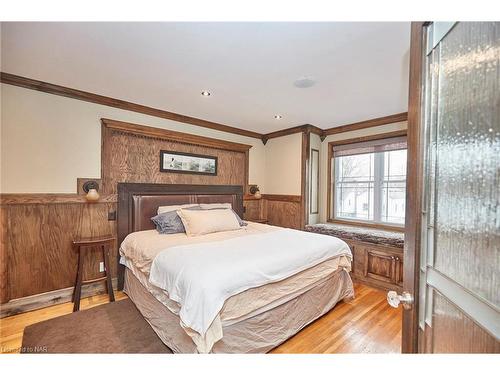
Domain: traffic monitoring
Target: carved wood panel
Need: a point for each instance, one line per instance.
(379, 266)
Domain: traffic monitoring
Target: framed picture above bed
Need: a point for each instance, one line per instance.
(182, 162)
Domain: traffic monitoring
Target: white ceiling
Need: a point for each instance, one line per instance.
(361, 69)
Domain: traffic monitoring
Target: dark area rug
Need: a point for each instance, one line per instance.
(115, 327)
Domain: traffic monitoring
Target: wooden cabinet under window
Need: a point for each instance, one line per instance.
(377, 254)
(377, 265)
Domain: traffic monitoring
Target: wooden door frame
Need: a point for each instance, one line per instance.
(305, 167)
(414, 181)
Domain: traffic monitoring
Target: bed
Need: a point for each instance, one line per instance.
(278, 280)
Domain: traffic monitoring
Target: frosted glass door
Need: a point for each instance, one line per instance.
(460, 266)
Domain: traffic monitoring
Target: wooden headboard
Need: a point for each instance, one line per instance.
(138, 203)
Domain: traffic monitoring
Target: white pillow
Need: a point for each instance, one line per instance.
(163, 209)
(202, 222)
(211, 206)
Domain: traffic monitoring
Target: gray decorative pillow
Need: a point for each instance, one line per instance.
(168, 223)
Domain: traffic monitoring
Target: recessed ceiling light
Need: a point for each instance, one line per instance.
(278, 117)
(304, 82)
(205, 93)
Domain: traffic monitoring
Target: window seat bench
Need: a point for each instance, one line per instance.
(377, 254)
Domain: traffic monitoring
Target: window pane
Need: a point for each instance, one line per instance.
(355, 201)
(355, 168)
(393, 202)
(395, 165)
(394, 187)
(354, 187)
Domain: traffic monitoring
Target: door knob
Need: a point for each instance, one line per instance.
(395, 299)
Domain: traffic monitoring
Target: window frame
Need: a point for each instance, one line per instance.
(331, 198)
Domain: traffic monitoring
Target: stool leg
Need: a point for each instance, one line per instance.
(109, 284)
(78, 286)
(76, 280)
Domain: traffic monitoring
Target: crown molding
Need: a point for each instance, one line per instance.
(306, 128)
(50, 88)
(54, 89)
(323, 133)
(398, 117)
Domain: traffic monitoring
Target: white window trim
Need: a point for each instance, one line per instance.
(377, 192)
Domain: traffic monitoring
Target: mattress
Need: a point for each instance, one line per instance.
(140, 249)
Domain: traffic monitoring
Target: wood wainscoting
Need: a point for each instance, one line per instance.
(284, 210)
(37, 252)
(37, 230)
(280, 210)
(254, 209)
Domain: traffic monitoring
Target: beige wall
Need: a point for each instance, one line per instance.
(283, 165)
(340, 136)
(47, 141)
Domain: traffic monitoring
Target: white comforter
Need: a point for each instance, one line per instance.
(201, 277)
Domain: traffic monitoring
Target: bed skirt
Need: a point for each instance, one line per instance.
(257, 334)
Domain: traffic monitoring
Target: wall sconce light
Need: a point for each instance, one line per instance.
(91, 188)
(254, 190)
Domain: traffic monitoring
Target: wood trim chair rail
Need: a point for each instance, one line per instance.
(52, 198)
(282, 197)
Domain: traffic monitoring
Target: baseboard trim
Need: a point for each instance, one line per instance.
(54, 297)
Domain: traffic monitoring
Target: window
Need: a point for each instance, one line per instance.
(369, 181)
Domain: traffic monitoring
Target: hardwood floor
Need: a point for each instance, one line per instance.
(365, 325)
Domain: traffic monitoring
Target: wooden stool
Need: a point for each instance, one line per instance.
(88, 243)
